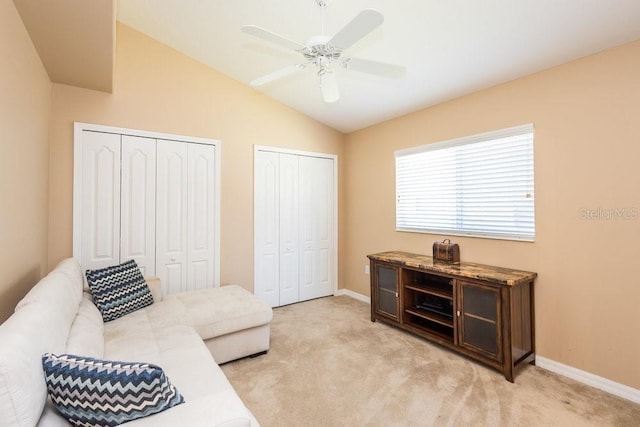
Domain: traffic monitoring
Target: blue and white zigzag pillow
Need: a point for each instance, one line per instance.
(119, 290)
(93, 392)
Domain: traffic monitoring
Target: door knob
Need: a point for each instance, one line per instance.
(173, 259)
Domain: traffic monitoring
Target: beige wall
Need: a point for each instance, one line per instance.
(158, 89)
(25, 101)
(587, 153)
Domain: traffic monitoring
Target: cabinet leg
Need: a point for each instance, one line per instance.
(508, 373)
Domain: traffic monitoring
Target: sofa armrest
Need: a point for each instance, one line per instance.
(155, 287)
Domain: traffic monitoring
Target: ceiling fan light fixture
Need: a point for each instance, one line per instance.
(328, 85)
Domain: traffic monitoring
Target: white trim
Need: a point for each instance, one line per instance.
(143, 133)
(354, 295)
(296, 152)
(590, 379)
(495, 134)
(77, 191)
(79, 127)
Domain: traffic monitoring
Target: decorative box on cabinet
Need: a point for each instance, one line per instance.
(480, 311)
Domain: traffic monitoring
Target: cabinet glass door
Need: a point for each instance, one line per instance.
(387, 301)
(479, 313)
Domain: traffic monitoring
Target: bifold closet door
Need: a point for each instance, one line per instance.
(267, 227)
(185, 216)
(316, 227)
(293, 227)
(138, 202)
(288, 225)
(276, 228)
(200, 216)
(118, 200)
(100, 200)
(154, 200)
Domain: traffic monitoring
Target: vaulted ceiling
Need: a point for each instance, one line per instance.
(449, 48)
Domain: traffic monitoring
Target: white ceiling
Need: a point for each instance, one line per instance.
(450, 48)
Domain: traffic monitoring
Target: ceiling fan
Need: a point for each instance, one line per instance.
(325, 53)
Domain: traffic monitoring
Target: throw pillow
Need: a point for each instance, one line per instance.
(119, 290)
(90, 391)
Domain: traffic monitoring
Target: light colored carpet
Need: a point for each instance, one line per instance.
(329, 365)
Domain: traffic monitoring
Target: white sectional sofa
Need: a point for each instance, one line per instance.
(184, 334)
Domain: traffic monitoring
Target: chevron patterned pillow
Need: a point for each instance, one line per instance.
(119, 290)
(92, 392)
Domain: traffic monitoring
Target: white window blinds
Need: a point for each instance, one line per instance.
(480, 185)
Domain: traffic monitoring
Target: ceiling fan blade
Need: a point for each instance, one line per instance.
(329, 87)
(374, 67)
(365, 22)
(277, 75)
(271, 37)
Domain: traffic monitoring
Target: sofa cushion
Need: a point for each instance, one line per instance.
(213, 312)
(119, 290)
(93, 391)
(185, 359)
(62, 287)
(86, 336)
(177, 348)
(219, 410)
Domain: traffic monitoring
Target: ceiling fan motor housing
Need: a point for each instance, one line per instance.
(318, 52)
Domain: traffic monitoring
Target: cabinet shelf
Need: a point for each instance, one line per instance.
(431, 290)
(428, 328)
(431, 316)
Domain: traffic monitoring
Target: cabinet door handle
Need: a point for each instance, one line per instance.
(397, 295)
(458, 313)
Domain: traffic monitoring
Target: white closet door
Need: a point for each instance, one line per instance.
(316, 227)
(100, 200)
(138, 203)
(200, 216)
(294, 227)
(288, 226)
(266, 227)
(171, 215)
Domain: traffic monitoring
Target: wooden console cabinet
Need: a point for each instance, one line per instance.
(481, 311)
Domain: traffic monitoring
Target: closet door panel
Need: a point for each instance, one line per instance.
(138, 203)
(266, 227)
(294, 227)
(325, 225)
(288, 226)
(200, 223)
(100, 200)
(316, 225)
(171, 215)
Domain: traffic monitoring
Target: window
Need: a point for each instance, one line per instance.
(480, 185)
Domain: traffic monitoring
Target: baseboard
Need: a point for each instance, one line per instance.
(583, 377)
(353, 295)
(590, 379)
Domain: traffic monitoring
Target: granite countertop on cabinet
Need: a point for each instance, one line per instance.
(470, 270)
